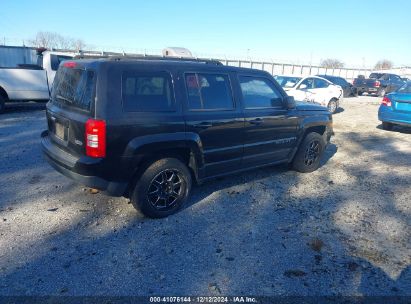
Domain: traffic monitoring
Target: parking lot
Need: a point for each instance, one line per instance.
(342, 230)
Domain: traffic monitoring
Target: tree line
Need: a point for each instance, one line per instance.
(331, 63)
(51, 40)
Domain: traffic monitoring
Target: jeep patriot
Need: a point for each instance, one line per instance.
(147, 128)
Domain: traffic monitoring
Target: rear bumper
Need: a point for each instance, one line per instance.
(76, 168)
(386, 114)
(367, 89)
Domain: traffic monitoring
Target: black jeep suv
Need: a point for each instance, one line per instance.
(144, 128)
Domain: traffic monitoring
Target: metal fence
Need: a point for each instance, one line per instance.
(297, 69)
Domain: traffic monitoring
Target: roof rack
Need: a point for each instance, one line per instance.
(146, 57)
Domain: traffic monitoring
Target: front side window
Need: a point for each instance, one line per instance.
(259, 93)
(208, 92)
(147, 92)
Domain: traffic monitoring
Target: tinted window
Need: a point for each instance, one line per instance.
(259, 93)
(56, 59)
(147, 92)
(375, 75)
(208, 92)
(73, 87)
(320, 83)
(384, 77)
(341, 82)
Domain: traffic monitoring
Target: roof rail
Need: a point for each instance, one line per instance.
(146, 57)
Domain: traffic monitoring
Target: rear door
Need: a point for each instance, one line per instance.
(71, 106)
(212, 112)
(323, 91)
(270, 129)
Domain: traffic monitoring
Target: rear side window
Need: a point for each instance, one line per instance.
(147, 92)
(73, 87)
(259, 93)
(209, 92)
(320, 84)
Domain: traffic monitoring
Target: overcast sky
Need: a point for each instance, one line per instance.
(356, 32)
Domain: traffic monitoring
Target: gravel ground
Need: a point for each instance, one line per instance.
(342, 230)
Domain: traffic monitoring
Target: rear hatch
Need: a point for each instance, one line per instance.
(70, 106)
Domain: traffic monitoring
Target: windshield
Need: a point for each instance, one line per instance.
(406, 88)
(287, 81)
(73, 87)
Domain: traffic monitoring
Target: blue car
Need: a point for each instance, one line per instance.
(395, 108)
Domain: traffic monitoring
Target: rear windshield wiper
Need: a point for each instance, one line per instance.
(63, 98)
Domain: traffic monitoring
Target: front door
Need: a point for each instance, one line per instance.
(212, 113)
(270, 131)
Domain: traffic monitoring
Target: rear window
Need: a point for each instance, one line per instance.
(73, 87)
(56, 59)
(375, 75)
(406, 88)
(147, 92)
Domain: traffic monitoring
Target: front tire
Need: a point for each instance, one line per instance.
(332, 106)
(387, 126)
(309, 153)
(2, 104)
(162, 189)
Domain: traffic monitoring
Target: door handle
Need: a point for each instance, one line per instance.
(257, 121)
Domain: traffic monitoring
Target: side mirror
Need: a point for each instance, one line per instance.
(303, 86)
(290, 102)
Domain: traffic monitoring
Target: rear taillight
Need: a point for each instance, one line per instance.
(386, 101)
(377, 84)
(95, 138)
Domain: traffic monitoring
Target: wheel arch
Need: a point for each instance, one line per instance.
(4, 94)
(186, 147)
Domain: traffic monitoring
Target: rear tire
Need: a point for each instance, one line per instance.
(162, 189)
(2, 104)
(309, 153)
(387, 126)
